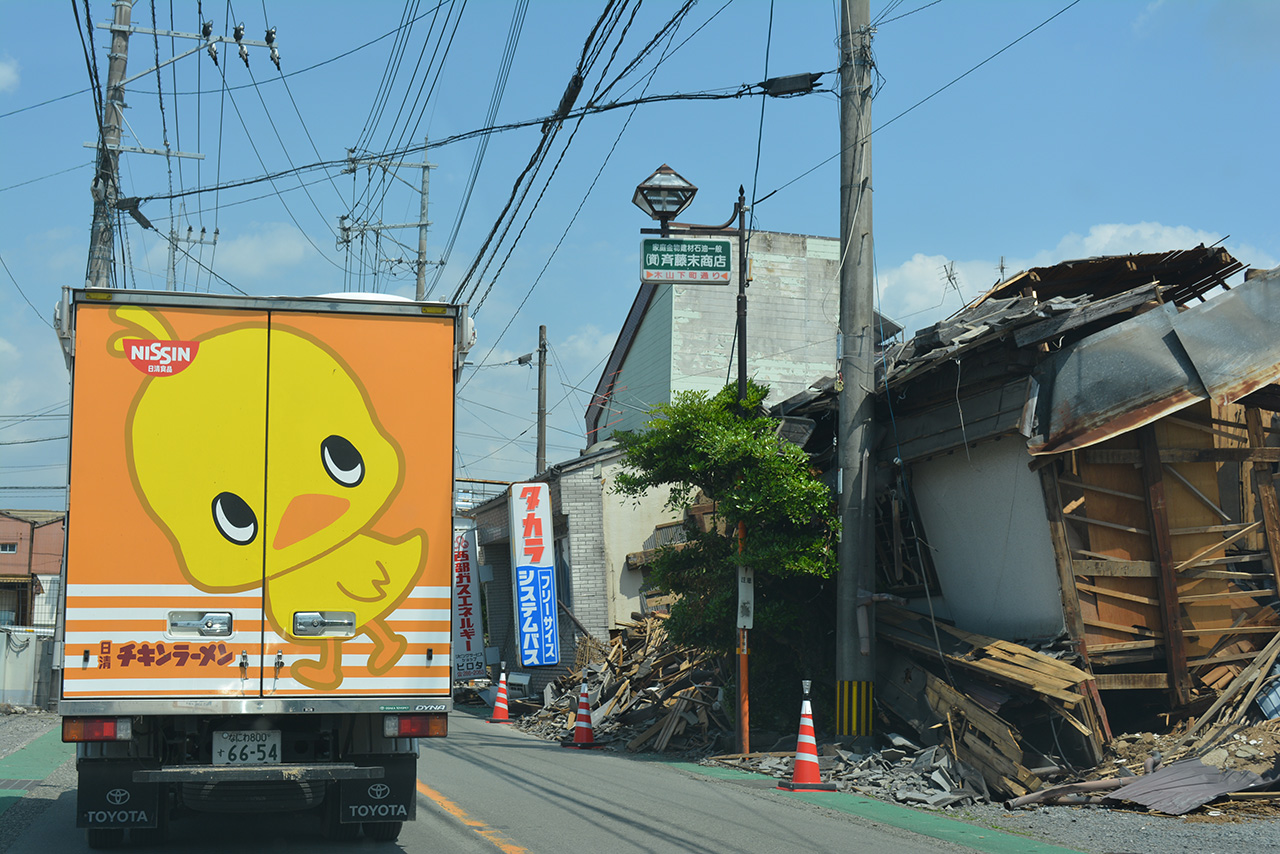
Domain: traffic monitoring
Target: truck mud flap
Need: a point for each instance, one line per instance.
(107, 796)
(392, 798)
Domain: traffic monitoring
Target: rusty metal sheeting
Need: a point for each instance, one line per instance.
(1157, 363)
(1114, 381)
(1232, 338)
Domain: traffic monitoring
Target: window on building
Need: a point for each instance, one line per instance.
(8, 548)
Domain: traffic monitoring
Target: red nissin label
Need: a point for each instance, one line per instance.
(160, 358)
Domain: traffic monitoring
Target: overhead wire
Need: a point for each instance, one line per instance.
(495, 100)
(361, 143)
(389, 71)
(648, 80)
(23, 293)
(520, 189)
(919, 103)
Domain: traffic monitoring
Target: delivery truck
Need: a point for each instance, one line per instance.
(256, 599)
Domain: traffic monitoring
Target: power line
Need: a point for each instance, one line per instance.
(879, 22)
(709, 95)
(23, 293)
(34, 441)
(928, 97)
(43, 177)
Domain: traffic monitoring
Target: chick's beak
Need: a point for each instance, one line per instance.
(305, 515)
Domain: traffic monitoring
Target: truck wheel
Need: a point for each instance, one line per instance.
(383, 831)
(333, 828)
(105, 837)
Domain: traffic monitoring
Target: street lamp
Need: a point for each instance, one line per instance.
(663, 195)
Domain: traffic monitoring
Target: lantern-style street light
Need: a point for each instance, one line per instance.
(663, 195)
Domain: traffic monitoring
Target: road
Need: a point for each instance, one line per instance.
(489, 788)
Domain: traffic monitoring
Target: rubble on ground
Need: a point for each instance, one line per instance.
(646, 694)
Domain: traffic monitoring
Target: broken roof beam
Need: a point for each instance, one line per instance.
(1055, 326)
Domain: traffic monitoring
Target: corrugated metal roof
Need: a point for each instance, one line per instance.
(1157, 363)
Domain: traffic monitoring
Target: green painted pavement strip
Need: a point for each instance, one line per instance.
(924, 823)
(35, 761)
(38, 758)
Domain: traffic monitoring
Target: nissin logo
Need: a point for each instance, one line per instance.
(161, 358)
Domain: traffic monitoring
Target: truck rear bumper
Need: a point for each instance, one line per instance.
(294, 773)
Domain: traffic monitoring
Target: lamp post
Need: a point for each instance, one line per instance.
(663, 196)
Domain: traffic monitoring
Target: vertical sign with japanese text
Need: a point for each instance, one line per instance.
(468, 623)
(533, 568)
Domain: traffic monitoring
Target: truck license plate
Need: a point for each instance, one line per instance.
(246, 747)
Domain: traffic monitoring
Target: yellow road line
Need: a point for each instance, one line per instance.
(490, 835)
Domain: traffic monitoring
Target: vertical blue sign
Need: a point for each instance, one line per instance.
(533, 568)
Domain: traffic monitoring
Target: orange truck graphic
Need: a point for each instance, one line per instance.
(258, 533)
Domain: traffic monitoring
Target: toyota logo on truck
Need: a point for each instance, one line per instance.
(160, 358)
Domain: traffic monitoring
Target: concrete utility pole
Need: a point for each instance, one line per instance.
(106, 183)
(542, 399)
(346, 231)
(855, 623)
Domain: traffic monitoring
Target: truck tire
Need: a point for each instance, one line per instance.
(333, 827)
(383, 831)
(104, 837)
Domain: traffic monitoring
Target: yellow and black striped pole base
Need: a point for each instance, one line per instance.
(853, 708)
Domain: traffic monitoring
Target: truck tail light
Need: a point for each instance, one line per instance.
(97, 729)
(415, 726)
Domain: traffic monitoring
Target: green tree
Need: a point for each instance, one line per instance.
(700, 444)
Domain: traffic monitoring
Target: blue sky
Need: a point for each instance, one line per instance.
(1115, 127)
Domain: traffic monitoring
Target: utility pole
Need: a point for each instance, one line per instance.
(855, 583)
(347, 231)
(106, 183)
(171, 277)
(105, 186)
(542, 399)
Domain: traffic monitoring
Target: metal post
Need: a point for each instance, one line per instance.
(421, 292)
(542, 399)
(742, 299)
(855, 624)
(105, 180)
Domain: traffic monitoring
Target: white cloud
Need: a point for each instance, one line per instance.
(267, 250)
(9, 77)
(1144, 18)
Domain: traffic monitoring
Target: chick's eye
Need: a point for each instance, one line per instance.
(342, 461)
(234, 518)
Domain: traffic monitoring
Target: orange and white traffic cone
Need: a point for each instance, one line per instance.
(805, 776)
(500, 713)
(583, 737)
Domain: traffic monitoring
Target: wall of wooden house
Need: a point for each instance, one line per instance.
(984, 515)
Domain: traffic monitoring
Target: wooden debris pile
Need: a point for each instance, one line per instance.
(997, 706)
(645, 695)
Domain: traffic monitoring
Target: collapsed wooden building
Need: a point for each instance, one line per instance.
(1082, 460)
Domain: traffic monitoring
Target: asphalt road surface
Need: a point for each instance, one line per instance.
(489, 788)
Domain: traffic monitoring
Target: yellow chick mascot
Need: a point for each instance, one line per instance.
(297, 521)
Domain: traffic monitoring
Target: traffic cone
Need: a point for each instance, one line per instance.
(805, 776)
(500, 714)
(583, 738)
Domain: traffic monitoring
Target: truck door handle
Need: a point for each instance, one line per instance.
(244, 665)
(204, 624)
(310, 624)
